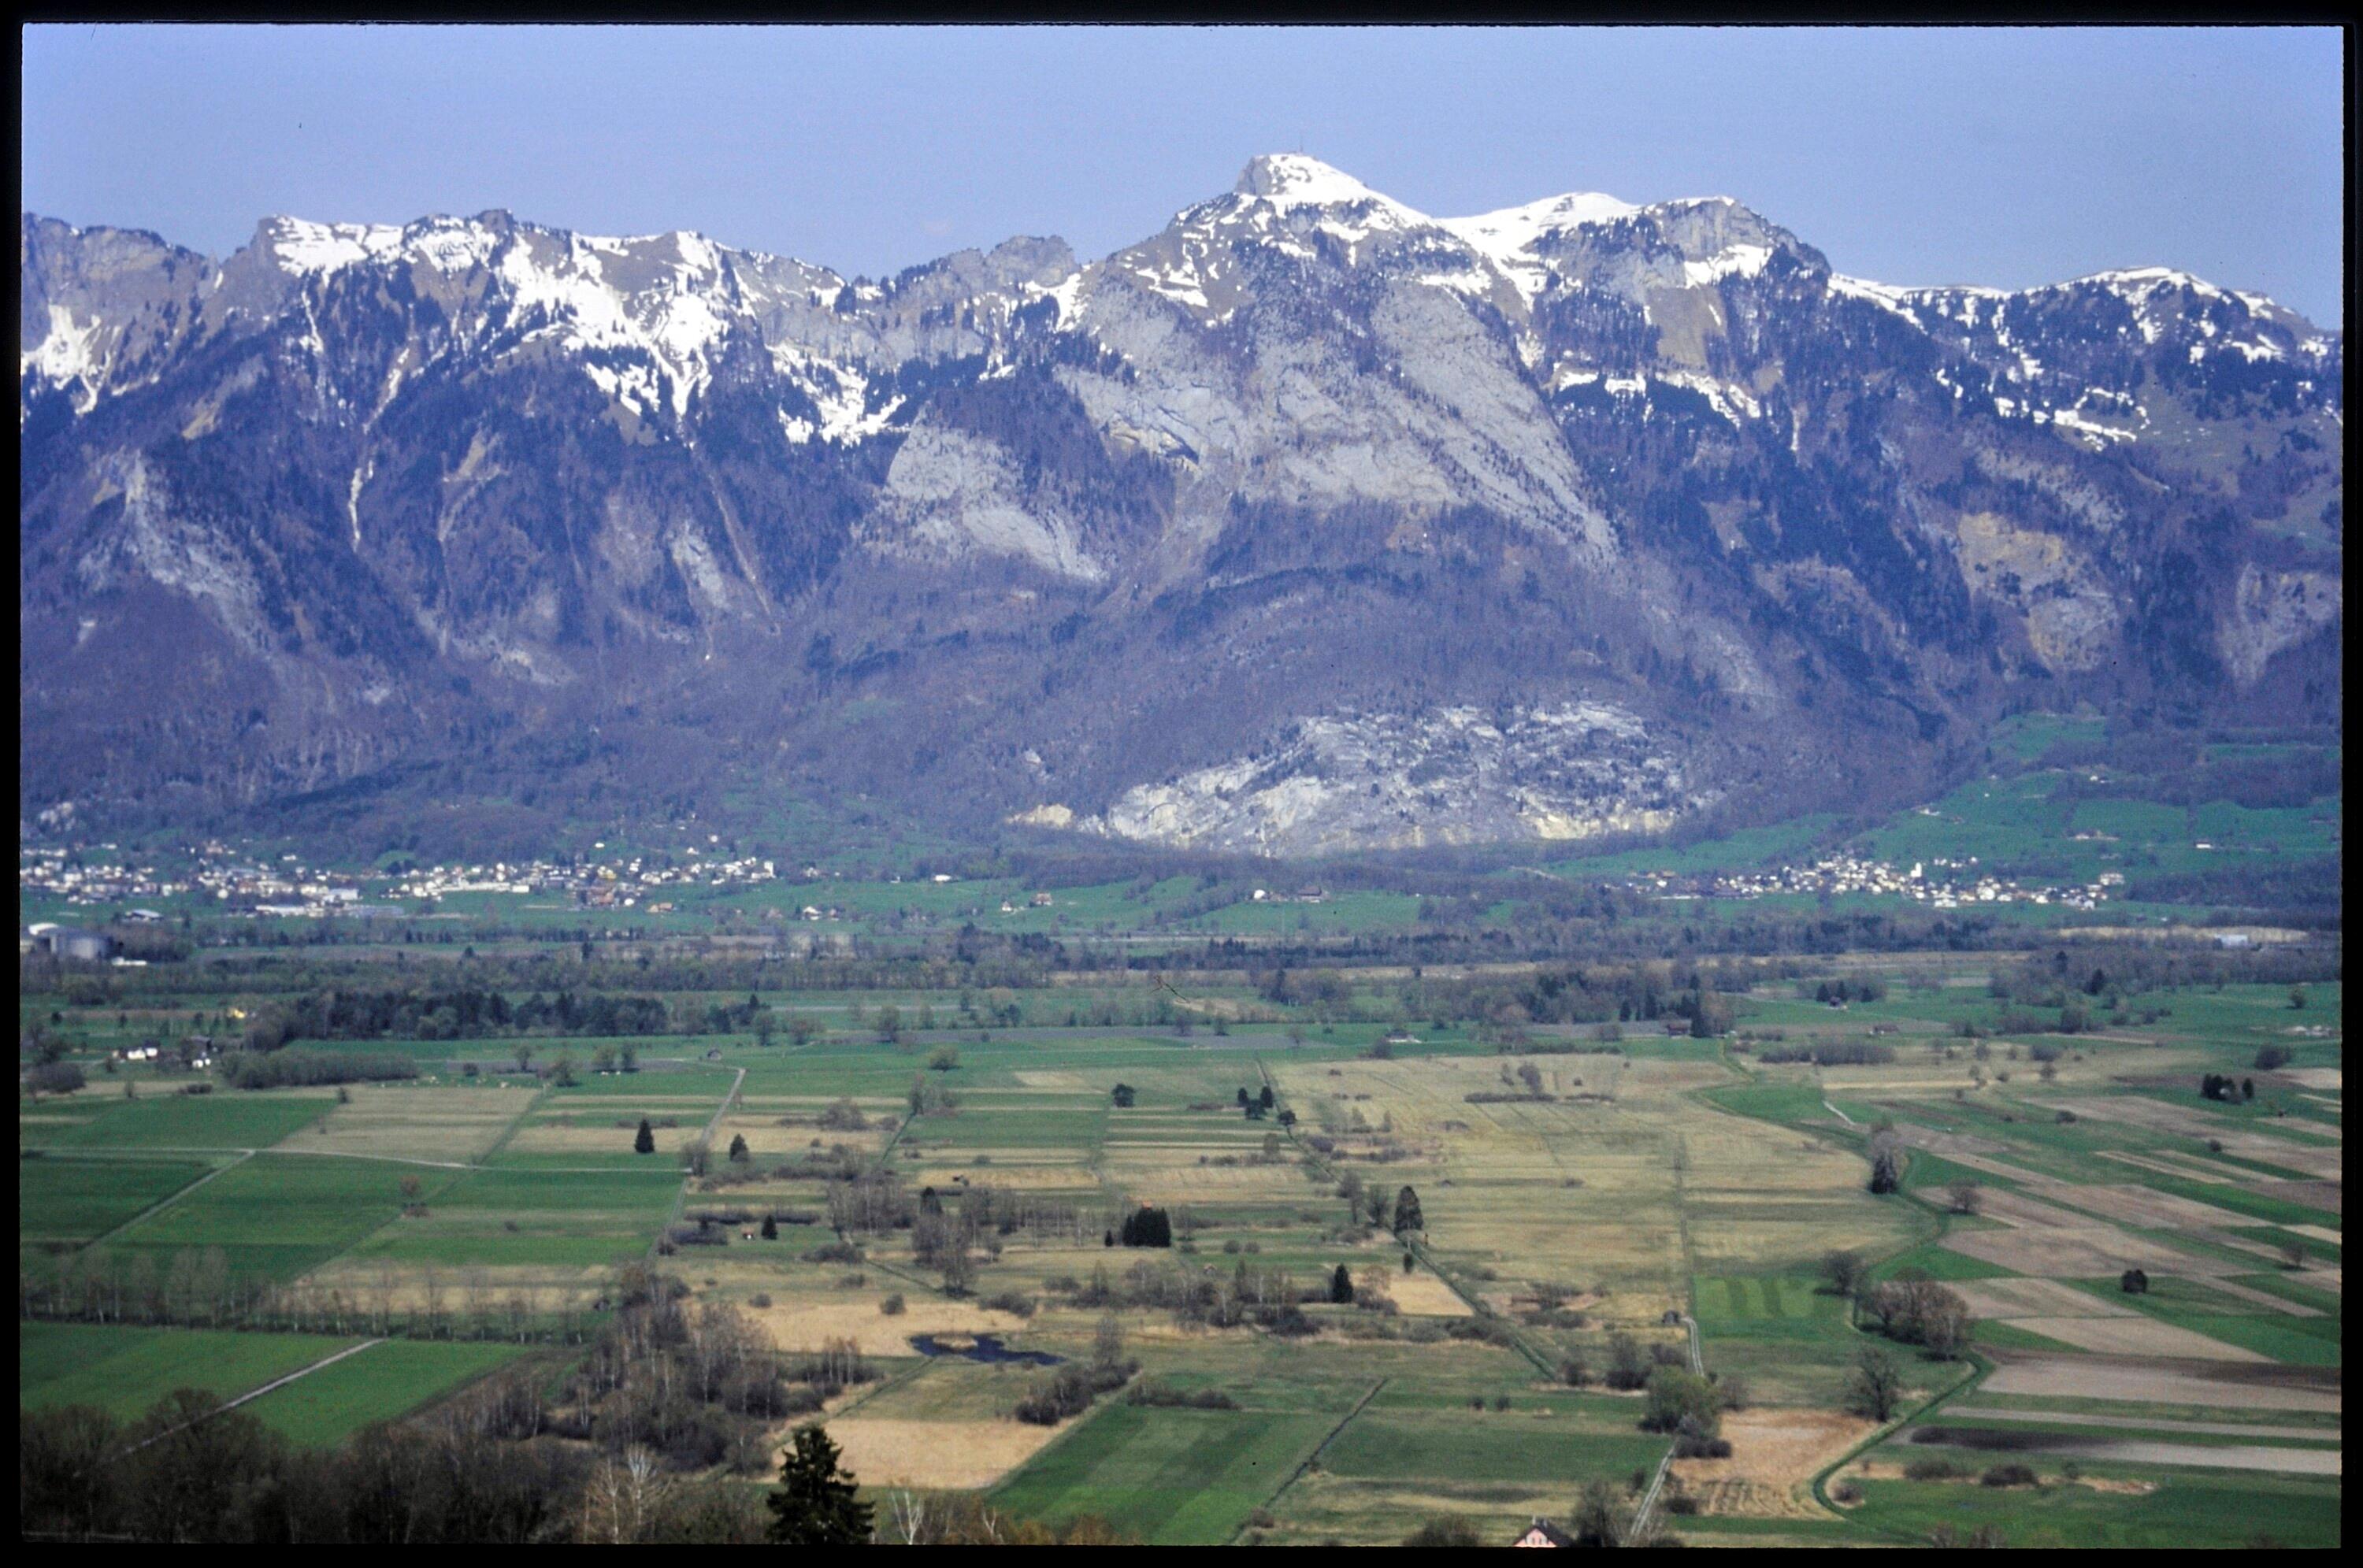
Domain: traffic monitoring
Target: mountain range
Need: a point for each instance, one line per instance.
(1310, 523)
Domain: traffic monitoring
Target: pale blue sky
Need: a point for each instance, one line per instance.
(2007, 156)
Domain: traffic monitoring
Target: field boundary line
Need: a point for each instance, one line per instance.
(887, 1148)
(1059, 1437)
(730, 1098)
(303, 1371)
(1318, 1450)
(680, 1198)
(917, 1282)
(516, 1123)
(1665, 1466)
(167, 1201)
(1977, 1368)
(257, 1393)
(909, 1374)
(1650, 1498)
(1688, 1312)
(314, 1153)
(382, 1159)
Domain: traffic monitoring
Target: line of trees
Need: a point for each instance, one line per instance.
(470, 1012)
(197, 1287)
(295, 1069)
(1829, 1053)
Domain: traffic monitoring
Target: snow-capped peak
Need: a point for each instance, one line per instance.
(1292, 179)
(1507, 237)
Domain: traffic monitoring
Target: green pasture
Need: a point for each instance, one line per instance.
(1172, 1477)
(75, 1200)
(388, 1380)
(123, 1371)
(278, 1215)
(2184, 1509)
(162, 1119)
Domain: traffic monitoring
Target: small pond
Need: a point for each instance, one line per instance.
(986, 1348)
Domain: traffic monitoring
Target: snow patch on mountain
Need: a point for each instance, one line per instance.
(1510, 237)
(301, 246)
(1735, 260)
(68, 355)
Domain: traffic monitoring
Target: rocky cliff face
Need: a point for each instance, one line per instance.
(1311, 523)
(1400, 781)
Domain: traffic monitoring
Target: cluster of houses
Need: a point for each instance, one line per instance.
(1943, 884)
(240, 882)
(626, 883)
(194, 1052)
(69, 876)
(286, 886)
(99, 875)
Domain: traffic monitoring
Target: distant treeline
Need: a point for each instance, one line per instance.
(299, 1069)
(2295, 892)
(1645, 991)
(1560, 921)
(476, 1013)
(2069, 974)
(2168, 767)
(1586, 972)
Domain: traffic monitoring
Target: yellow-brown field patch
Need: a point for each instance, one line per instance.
(935, 1455)
(582, 1134)
(410, 1287)
(1423, 1295)
(808, 1323)
(405, 1122)
(1590, 1191)
(1033, 1176)
(1775, 1454)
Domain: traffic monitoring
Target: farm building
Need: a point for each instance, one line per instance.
(1542, 1532)
(73, 942)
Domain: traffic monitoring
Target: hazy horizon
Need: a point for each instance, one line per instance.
(2006, 157)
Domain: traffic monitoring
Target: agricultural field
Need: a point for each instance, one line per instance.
(2127, 1399)
(386, 1380)
(1405, 1258)
(126, 1370)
